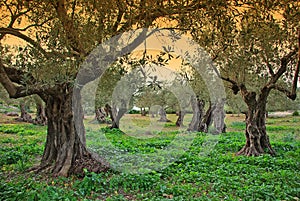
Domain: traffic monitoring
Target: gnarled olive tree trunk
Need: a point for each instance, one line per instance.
(163, 115)
(214, 114)
(219, 116)
(116, 113)
(179, 121)
(198, 107)
(207, 119)
(101, 115)
(25, 116)
(65, 149)
(40, 118)
(257, 140)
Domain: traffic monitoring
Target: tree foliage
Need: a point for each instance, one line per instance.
(247, 39)
(255, 45)
(58, 36)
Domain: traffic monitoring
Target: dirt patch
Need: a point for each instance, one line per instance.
(4, 119)
(280, 114)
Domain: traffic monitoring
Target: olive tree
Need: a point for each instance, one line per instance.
(58, 36)
(255, 45)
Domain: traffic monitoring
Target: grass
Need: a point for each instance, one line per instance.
(201, 167)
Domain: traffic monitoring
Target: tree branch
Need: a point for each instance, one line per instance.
(20, 35)
(153, 13)
(288, 93)
(73, 9)
(293, 93)
(234, 85)
(47, 54)
(15, 17)
(97, 69)
(283, 66)
(119, 17)
(6, 82)
(10, 83)
(9, 9)
(33, 25)
(68, 25)
(217, 54)
(269, 66)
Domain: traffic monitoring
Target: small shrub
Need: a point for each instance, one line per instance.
(134, 111)
(295, 113)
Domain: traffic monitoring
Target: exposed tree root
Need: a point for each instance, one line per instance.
(92, 163)
(41, 168)
(248, 151)
(268, 146)
(252, 151)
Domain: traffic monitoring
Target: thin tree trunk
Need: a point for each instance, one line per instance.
(65, 149)
(180, 118)
(117, 114)
(152, 113)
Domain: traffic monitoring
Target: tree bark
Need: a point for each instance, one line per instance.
(152, 113)
(219, 116)
(110, 112)
(198, 107)
(25, 116)
(40, 118)
(101, 115)
(143, 112)
(65, 150)
(257, 140)
(163, 115)
(180, 118)
(116, 113)
(207, 119)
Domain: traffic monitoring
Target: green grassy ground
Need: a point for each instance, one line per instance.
(206, 169)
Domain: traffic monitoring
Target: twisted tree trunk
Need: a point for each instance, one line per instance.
(208, 118)
(257, 140)
(117, 117)
(65, 149)
(180, 118)
(163, 115)
(198, 107)
(100, 115)
(40, 118)
(25, 116)
(116, 114)
(219, 116)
